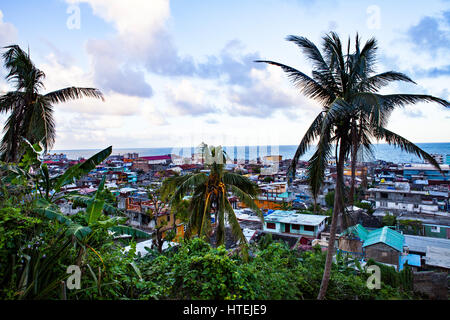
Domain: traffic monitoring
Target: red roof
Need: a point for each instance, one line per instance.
(188, 166)
(153, 158)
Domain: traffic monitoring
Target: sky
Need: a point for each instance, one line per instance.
(176, 73)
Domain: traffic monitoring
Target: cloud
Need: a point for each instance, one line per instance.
(269, 92)
(109, 74)
(59, 76)
(430, 34)
(211, 121)
(186, 98)
(62, 57)
(118, 62)
(8, 32)
(232, 63)
(414, 113)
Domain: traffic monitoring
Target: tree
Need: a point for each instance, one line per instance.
(159, 207)
(210, 196)
(31, 113)
(346, 87)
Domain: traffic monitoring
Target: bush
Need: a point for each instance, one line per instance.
(389, 220)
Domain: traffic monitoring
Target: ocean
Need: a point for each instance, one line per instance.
(381, 152)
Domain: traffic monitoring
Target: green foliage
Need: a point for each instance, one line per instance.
(364, 205)
(414, 227)
(329, 199)
(402, 280)
(389, 220)
(195, 271)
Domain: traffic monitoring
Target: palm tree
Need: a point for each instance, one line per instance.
(210, 195)
(346, 86)
(31, 113)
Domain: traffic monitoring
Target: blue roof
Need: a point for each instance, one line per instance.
(411, 259)
(387, 236)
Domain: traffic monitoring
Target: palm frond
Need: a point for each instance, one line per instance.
(309, 87)
(73, 93)
(78, 170)
(374, 83)
(243, 183)
(248, 200)
(311, 134)
(405, 145)
(317, 164)
(322, 71)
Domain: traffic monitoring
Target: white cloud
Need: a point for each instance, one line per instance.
(269, 92)
(8, 32)
(189, 98)
(137, 22)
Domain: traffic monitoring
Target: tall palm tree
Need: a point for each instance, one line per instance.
(209, 193)
(31, 113)
(346, 86)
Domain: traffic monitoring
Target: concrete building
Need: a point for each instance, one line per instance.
(289, 222)
(396, 198)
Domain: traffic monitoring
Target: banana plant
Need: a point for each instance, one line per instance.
(94, 217)
(34, 174)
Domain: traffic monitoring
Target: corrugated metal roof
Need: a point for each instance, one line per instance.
(420, 244)
(387, 236)
(357, 230)
(438, 257)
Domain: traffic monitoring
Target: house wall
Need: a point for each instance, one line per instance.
(350, 245)
(441, 232)
(281, 228)
(389, 204)
(382, 253)
(277, 227)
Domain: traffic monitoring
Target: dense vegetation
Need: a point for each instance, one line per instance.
(193, 270)
(38, 243)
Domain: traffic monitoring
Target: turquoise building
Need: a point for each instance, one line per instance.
(290, 222)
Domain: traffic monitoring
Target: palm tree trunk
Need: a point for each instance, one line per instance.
(353, 163)
(334, 221)
(352, 186)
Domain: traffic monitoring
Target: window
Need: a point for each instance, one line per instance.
(168, 218)
(270, 225)
(295, 227)
(308, 228)
(435, 229)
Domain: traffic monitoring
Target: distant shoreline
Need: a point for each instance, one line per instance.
(381, 151)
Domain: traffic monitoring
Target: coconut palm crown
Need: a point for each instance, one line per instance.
(209, 193)
(31, 112)
(353, 113)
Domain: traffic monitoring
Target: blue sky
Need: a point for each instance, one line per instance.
(175, 73)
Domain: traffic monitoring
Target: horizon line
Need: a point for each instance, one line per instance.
(183, 147)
